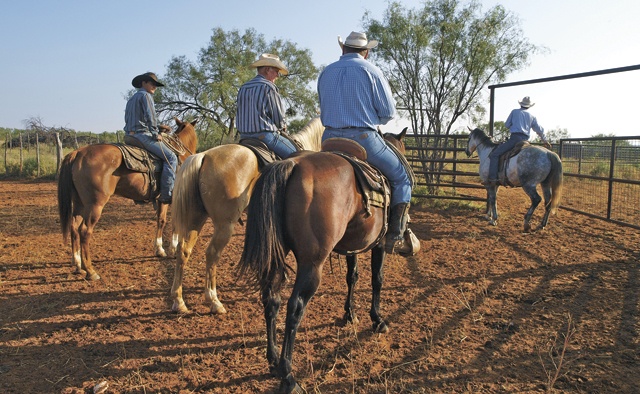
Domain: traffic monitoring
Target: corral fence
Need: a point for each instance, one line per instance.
(601, 175)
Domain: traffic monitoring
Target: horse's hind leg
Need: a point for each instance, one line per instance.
(76, 251)
(535, 201)
(271, 301)
(377, 276)
(352, 280)
(221, 236)
(183, 252)
(86, 231)
(492, 206)
(546, 191)
(161, 221)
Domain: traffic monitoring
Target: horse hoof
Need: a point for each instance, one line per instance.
(92, 277)
(179, 307)
(218, 309)
(289, 385)
(350, 318)
(161, 253)
(381, 328)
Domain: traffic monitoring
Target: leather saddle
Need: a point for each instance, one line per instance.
(373, 186)
(504, 162)
(261, 150)
(137, 159)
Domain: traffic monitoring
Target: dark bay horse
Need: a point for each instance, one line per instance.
(531, 167)
(89, 176)
(217, 184)
(309, 204)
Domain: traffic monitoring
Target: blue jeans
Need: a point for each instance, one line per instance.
(494, 156)
(169, 162)
(381, 157)
(277, 143)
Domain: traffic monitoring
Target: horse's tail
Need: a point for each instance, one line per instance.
(555, 180)
(186, 194)
(66, 189)
(264, 250)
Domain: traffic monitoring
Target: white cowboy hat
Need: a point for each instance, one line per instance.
(357, 40)
(269, 60)
(526, 102)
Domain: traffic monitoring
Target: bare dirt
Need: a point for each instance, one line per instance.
(479, 309)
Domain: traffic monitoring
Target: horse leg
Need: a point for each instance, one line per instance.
(307, 281)
(352, 280)
(219, 240)
(535, 200)
(546, 191)
(76, 255)
(377, 276)
(161, 221)
(492, 210)
(271, 302)
(86, 231)
(183, 252)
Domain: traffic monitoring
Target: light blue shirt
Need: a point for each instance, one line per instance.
(259, 107)
(354, 93)
(522, 121)
(140, 114)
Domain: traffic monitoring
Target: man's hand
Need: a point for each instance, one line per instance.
(164, 128)
(547, 145)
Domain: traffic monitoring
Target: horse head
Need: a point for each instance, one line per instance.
(397, 139)
(476, 137)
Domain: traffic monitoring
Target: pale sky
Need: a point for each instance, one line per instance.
(70, 62)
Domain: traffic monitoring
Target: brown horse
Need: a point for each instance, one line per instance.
(311, 205)
(88, 177)
(217, 184)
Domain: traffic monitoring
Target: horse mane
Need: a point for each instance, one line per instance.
(482, 137)
(310, 137)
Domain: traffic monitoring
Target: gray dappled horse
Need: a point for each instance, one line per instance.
(532, 166)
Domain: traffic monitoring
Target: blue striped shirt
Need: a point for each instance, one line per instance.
(140, 113)
(354, 93)
(259, 107)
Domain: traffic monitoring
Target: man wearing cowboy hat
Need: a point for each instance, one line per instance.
(520, 122)
(141, 122)
(260, 112)
(355, 98)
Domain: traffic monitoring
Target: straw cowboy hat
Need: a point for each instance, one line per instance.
(526, 102)
(357, 40)
(149, 76)
(269, 60)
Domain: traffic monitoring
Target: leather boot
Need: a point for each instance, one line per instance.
(399, 238)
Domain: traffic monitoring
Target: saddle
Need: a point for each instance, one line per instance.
(503, 162)
(374, 187)
(261, 150)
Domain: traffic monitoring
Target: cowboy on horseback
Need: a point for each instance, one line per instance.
(260, 112)
(355, 98)
(520, 122)
(141, 122)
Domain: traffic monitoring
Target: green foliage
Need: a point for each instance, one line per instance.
(553, 136)
(439, 58)
(600, 169)
(207, 87)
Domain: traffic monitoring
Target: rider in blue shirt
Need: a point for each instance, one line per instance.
(520, 122)
(355, 98)
(141, 122)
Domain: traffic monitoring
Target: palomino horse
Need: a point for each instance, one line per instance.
(89, 176)
(532, 166)
(217, 184)
(309, 204)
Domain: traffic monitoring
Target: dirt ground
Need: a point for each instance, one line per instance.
(480, 309)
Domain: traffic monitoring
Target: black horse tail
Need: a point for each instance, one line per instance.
(264, 253)
(555, 180)
(65, 193)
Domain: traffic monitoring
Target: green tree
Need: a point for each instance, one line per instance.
(440, 57)
(207, 88)
(553, 136)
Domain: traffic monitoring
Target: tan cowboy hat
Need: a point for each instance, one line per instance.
(357, 40)
(269, 60)
(526, 102)
(149, 76)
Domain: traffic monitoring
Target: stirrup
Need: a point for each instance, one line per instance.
(409, 245)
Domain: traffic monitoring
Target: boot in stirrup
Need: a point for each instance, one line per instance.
(400, 239)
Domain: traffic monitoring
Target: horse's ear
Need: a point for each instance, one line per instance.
(470, 129)
(178, 122)
(403, 134)
(193, 123)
